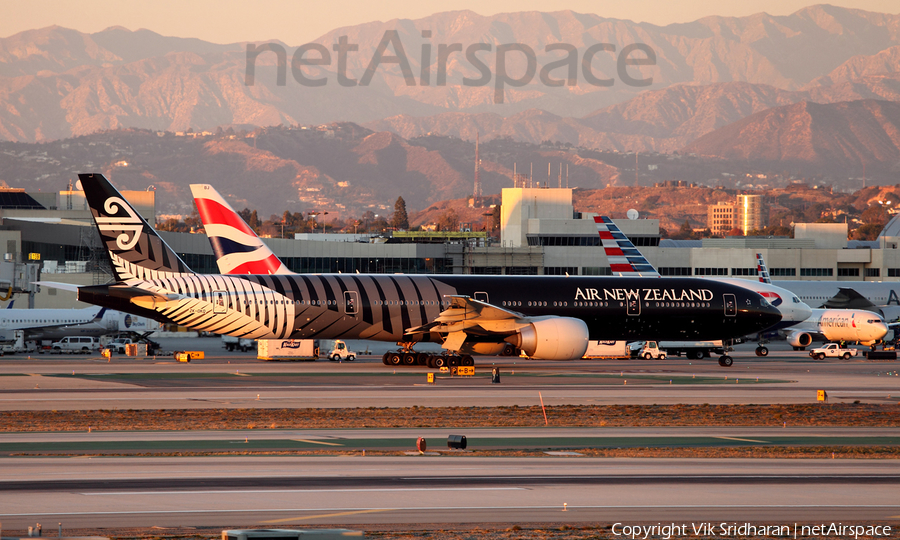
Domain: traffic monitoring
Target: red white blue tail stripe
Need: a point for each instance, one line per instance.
(237, 248)
(762, 270)
(624, 258)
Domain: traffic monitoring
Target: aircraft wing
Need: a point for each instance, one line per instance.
(848, 298)
(469, 317)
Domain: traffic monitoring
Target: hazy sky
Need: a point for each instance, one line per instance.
(299, 21)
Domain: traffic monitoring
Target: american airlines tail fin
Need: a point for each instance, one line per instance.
(238, 249)
(762, 270)
(134, 248)
(624, 258)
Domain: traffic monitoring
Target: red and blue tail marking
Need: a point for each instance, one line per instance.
(237, 248)
(761, 269)
(624, 258)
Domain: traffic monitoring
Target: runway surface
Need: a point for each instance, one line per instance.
(544, 438)
(234, 380)
(116, 492)
(353, 490)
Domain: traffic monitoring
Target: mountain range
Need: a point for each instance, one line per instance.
(56, 82)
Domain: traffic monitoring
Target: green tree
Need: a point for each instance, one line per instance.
(400, 219)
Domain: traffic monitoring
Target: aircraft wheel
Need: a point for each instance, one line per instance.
(726, 361)
(422, 359)
(409, 359)
(384, 358)
(440, 361)
(508, 350)
(430, 361)
(467, 361)
(453, 361)
(394, 359)
(764, 351)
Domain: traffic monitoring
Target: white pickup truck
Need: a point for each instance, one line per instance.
(833, 350)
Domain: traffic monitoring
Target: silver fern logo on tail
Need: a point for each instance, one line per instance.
(133, 247)
(131, 224)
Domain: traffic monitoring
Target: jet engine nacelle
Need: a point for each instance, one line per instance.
(554, 338)
(799, 339)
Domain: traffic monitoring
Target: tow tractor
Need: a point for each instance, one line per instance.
(340, 352)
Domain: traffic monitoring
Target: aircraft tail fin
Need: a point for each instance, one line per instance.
(99, 316)
(238, 249)
(134, 249)
(624, 258)
(762, 270)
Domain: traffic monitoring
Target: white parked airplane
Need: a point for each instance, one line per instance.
(862, 325)
(879, 296)
(54, 324)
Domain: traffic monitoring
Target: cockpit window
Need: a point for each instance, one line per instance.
(795, 300)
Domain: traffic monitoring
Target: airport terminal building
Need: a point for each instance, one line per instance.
(541, 234)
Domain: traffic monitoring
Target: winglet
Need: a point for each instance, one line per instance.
(624, 258)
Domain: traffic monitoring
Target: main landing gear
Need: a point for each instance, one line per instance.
(406, 356)
(762, 350)
(396, 358)
(726, 361)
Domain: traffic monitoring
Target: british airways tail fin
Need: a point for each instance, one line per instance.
(238, 249)
(624, 258)
(134, 248)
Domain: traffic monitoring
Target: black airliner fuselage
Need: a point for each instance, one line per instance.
(384, 307)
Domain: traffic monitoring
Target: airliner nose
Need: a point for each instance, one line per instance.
(802, 312)
(760, 313)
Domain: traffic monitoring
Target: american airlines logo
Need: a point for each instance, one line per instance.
(130, 224)
(673, 295)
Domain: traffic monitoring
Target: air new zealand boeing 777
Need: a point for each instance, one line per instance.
(548, 317)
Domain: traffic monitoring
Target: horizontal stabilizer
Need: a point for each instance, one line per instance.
(56, 285)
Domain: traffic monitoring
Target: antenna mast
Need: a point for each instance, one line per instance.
(476, 199)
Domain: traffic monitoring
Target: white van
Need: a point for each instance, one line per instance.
(81, 344)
